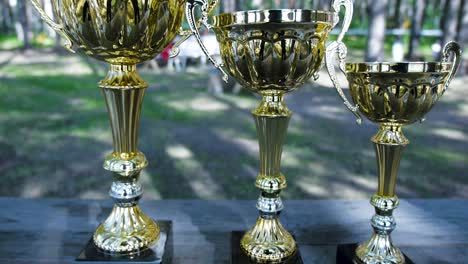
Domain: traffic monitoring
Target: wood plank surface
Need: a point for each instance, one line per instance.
(55, 230)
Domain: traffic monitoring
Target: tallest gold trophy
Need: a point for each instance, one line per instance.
(271, 52)
(121, 33)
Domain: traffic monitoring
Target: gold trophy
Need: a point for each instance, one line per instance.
(121, 33)
(393, 95)
(271, 52)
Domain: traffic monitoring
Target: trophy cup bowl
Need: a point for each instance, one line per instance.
(122, 33)
(118, 32)
(271, 53)
(392, 95)
(397, 93)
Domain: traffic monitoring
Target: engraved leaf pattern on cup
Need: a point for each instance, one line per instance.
(396, 98)
(265, 60)
(121, 31)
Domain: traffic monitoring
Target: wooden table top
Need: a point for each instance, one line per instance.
(55, 230)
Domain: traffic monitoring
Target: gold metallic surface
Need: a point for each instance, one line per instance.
(392, 95)
(379, 250)
(396, 93)
(126, 230)
(273, 57)
(389, 144)
(268, 242)
(270, 52)
(121, 33)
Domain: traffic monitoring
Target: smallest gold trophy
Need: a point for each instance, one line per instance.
(392, 95)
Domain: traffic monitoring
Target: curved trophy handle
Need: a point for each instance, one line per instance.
(186, 34)
(190, 15)
(452, 48)
(58, 28)
(333, 49)
(348, 5)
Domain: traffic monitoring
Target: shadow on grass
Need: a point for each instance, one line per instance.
(54, 134)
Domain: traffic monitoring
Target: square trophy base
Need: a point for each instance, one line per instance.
(345, 255)
(238, 257)
(160, 253)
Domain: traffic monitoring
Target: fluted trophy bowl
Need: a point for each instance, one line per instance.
(392, 95)
(122, 33)
(273, 51)
(397, 93)
(119, 32)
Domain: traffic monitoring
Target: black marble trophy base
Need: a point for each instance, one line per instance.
(160, 253)
(238, 257)
(345, 255)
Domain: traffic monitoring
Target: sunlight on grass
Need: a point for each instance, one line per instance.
(179, 152)
(203, 184)
(201, 104)
(450, 134)
(56, 69)
(9, 42)
(55, 124)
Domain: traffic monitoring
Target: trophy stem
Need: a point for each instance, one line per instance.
(268, 241)
(389, 144)
(127, 230)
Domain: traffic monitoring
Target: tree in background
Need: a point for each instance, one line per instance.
(463, 33)
(377, 10)
(450, 20)
(7, 20)
(23, 29)
(417, 22)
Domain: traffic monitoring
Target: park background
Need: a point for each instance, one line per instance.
(198, 135)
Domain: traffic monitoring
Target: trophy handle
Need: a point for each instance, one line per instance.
(333, 49)
(348, 5)
(190, 15)
(186, 34)
(452, 48)
(58, 28)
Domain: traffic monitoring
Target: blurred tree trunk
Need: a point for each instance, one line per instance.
(397, 11)
(417, 22)
(23, 26)
(463, 34)
(361, 11)
(461, 16)
(377, 10)
(228, 6)
(7, 16)
(281, 3)
(450, 20)
(322, 5)
(301, 4)
(240, 5)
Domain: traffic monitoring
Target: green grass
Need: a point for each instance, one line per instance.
(11, 42)
(54, 133)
